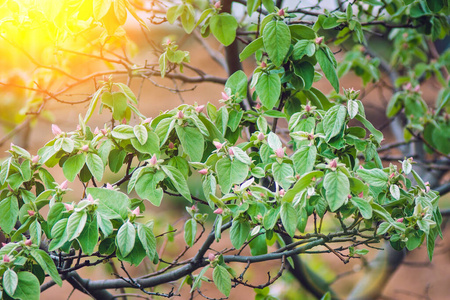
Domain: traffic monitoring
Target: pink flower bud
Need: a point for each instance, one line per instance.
(6, 258)
(333, 164)
(392, 175)
(90, 198)
(203, 171)
(194, 208)
(282, 192)
(136, 211)
(147, 121)
(279, 152)
(262, 195)
(199, 108)
(225, 96)
(217, 5)
(263, 64)
(168, 41)
(171, 145)
(35, 159)
(11, 146)
(68, 206)
(211, 256)
(218, 211)
(64, 185)
(307, 108)
(361, 195)
(96, 131)
(281, 13)
(259, 217)
(28, 242)
(297, 176)
(258, 106)
(153, 161)
(85, 148)
(261, 136)
(78, 127)
(400, 220)
(109, 186)
(417, 88)
(349, 196)
(56, 130)
(319, 40)
(180, 115)
(124, 121)
(427, 184)
(360, 167)
(3, 244)
(31, 212)
(249, 193)
(218, 145)
(408, 86)
(230, 151)
(104, 131)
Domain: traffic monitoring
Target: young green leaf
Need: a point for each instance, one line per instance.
(268, 89)
(337, 188)
(328, 68)
(251, 48)
(277, 39)
(125, 238)
(10, 281)
(289, 218)
(27, 287)
(190, 232)
(223, 27)
(222, 280)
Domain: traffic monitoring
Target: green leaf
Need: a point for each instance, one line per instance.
(141, 134)
(148, 240)
(230, 172)
(47, 264)
(289, 218)
(9, 211)
(192, 141)
(146, 187)
(198, 278)
(352, 108)
(239, 232)
(27, 287)
(268, 89)
(125, 238)
(73, 165)
(327, 67)
(334, 120)
(376, 133)
(251, 48)
(282, 174)
(92, 105)
(127, 92)
(95, 165)
(363, 206)
(223, 27)
(151, 145)
(374, 177)
(237, 83)
(123, 132)
(67, 145)
(301, 184)
(277, 39)
(302, 32)
(188, 18)
(89, 236)
(337, 188)
(305, 70)
(395, 191)
(10, 281)
(222, 280)
(241, 155)
(112, 204)
(119, 105)
(75, 224)
(164, 128)
(178, 181)
(304, 159)
(435, 5)
(190, 232)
